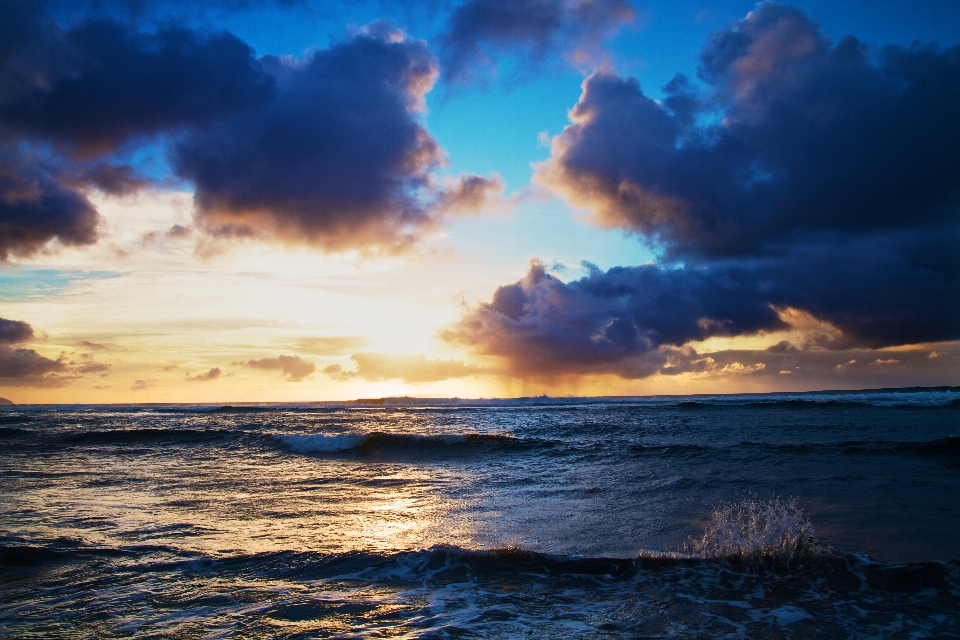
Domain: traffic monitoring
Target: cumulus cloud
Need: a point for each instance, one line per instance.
(14, 331)
(23, 367)
(631, 321)
(801, 182)
(26, 368)
(478, 31)
(40, 201)
(337, 159)
(326, 150)
(93, 87)
(212, 374)
(473, 194)
(614, 321)
(409, 368)
(293, 367)
(72, 96)
(793, 138)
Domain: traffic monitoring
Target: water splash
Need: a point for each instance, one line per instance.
(757, 529)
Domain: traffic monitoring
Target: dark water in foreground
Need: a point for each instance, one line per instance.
(512, 519)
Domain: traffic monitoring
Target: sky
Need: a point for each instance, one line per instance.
(294, 200)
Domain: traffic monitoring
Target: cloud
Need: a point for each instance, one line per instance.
(212, 374)
(95, 86)
(331, 345)
(179, 232)
(409, 368)
(631, 320)
(783, 346)
(794, 139)
(803, 183)
(87, 365)
(612, 321)
(140, 385)
(479, 31)
(737, 368)
(93, 346)
(473, 194)
(14, 331)
(337, 159)
(27, 368)
(72, 97)
(293, 367)
(21, 367)
(40, 201)
(326, 150)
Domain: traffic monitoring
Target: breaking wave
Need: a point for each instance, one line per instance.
(448, 591)
(377, 442)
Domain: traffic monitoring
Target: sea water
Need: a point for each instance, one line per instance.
(778, 515)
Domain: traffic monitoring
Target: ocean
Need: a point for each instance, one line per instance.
(814, 515)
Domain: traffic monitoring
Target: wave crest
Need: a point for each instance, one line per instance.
(378, 441)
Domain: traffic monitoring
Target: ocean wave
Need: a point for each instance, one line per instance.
(376, 442)
(12, 432)
(448, 590)
(881, 401)
(240, 408)
(948, 446)
(150, 435)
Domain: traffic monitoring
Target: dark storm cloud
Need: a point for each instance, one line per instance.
(634, 321)
(94, 87)
(793, 138)
(326, 150)
(479, 30)
(293, 367)
(40, 201)
(88, 90)
(337, 159)
(610, 321)
(809, 178)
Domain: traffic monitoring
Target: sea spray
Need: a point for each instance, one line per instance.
(755, 529)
